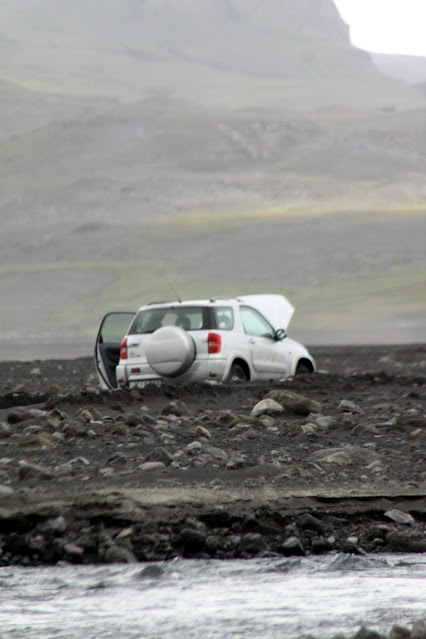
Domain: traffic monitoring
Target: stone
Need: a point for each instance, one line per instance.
(418, 630)
(22, 414)
(54, 417)
(216, 453)
(176, 407)
(294, 402)
(5, 430)
(324, 422)
(118, 458)
(119, 555)
(73, 551)
(321, 545)
(151, 466)
(190, 541)
(79, 461)
(63, 470)
(6, 491)
(406, 541)
(194, 448)
(236, 462)
(56, 525)
(366, 633)
(267, 406)
(204, 432)
(346, 406)
(45, 441)
(339, 457)
(33, 471)
(252, 544)
(160, 454)
(346, 454)
(399, 632)
(309, 522)
(126, 532)
(88, 414)
(399, 517)
(55, 389)
(91, 390)
(292, 547)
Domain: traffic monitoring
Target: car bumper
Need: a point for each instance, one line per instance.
(200, 371)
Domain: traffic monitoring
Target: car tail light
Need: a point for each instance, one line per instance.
(214, 342)
(123, 349)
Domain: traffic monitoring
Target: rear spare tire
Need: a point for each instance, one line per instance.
(170, 351)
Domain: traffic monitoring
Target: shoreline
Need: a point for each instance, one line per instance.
(211, 521)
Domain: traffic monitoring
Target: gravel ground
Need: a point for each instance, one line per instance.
(325, 444)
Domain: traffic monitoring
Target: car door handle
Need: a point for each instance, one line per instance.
(252, 341)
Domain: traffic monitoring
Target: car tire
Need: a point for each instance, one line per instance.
(236, 374)
(170, 351)
(303, 369)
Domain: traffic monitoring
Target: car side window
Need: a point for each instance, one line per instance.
(255, 324)
(224, 318)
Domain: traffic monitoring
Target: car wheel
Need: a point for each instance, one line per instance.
(170, 351)
(303, 369)
(236, 374)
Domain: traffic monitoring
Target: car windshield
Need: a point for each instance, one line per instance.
(190, 318)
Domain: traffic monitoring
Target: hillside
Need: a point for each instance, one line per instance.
(208, 52)
(222, 148)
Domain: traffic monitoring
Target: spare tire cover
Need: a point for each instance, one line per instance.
(170, 351)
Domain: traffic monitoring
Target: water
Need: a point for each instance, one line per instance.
(193, 599)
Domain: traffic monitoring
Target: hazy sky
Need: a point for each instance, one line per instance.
(386, 26)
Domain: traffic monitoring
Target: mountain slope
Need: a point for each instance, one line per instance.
(209, 51)
(225, 146)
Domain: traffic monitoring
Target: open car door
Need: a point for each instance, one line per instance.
(113, 328)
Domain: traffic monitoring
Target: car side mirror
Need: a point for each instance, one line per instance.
(280, 334)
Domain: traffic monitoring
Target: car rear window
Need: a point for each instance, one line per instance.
(190, 318)
(224, 317)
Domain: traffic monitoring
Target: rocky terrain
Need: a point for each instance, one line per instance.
(317, 463)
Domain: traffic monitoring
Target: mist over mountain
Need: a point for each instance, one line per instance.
(410, 68)
(141, 140)
(204, 51)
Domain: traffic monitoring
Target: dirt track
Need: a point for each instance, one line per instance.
(156, 459)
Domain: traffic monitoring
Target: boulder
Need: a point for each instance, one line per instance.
(252, 544)
(119, 555)
(399, 517)
(418, 630)
(292, 547)
(406, 541)
(267, 406)
(190, 541)
(294, 402)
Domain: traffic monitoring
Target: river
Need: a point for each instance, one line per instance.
(193, 599)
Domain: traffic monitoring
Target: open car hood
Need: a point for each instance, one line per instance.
(276, 308)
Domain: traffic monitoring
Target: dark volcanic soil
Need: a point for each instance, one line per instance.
(354, 446)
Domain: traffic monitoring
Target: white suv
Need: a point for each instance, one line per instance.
(219, 340)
